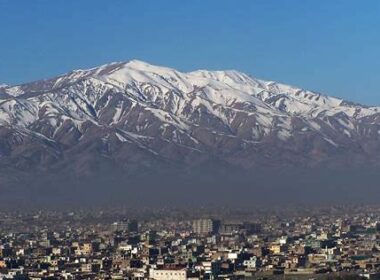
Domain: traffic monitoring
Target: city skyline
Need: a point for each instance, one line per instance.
(331, 242)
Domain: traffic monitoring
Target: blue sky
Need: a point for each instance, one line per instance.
(330, 46)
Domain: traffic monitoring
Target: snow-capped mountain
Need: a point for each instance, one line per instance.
(133, 116)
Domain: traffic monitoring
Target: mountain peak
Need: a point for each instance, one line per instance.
(147, 67)
(136, 63)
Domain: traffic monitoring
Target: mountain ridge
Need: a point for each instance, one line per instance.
(139, 116)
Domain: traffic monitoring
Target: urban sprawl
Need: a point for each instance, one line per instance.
(338, 242)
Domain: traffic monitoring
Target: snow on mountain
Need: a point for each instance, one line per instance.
(137, 114)
(287, 98)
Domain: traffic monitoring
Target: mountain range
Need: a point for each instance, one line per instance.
(136, 117)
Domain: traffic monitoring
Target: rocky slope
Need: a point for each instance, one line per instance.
(136, 117)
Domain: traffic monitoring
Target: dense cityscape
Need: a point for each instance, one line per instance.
(285, 243)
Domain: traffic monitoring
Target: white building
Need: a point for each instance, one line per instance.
(203, 226)
(251, 263)
(168, 274)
